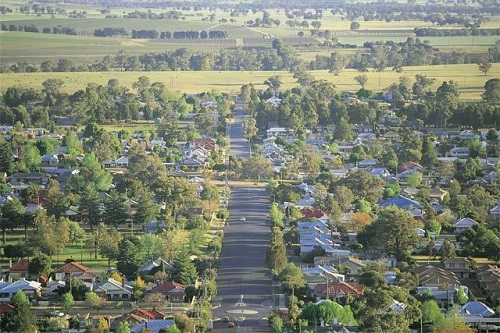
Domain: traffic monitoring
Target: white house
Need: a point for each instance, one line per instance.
(276, 131)
(113, 290)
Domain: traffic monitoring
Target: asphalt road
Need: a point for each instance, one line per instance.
(243, 280)
(240, 146)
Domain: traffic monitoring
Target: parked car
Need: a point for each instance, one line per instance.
(230, 324)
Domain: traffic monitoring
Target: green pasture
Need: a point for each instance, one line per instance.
(470, 80)
(36, 48)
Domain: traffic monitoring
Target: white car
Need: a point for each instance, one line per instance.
(243, 219)
(56, 313)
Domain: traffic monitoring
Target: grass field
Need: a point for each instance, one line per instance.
(468, 77)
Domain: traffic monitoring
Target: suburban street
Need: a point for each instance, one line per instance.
(244, 281)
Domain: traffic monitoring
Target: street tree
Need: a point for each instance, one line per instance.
(94, 301)
(292, 277)
(257, 168)
(67, 302)
(250, 129)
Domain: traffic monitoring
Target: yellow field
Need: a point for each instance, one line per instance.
(468, 77)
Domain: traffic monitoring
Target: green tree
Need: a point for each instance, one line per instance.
(115, 211)
(94, 301)
(250, 129)
(343, 131)
(67, 302)
(431, 313)
(72, 144)
(11, 216)
(292, 277)
(429, 154)
(433, 226)
(257, 167)
(460, 297)
(447, 250)
(41, 264)
(484, 66)
(491, 93)
(185, 270)
(123, 327)
(394, 231)
(21, 318)
(129, 257)
(361, 80)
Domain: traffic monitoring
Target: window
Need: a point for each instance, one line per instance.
(452, 265)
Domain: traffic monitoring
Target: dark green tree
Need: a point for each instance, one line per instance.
(185, 270)
(21, 318)
(129, 257)
(11, 216)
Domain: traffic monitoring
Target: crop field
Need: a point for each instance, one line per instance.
(468, 77)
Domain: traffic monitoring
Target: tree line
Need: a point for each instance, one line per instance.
(378, 56)
(424, 32)
(46, 30)
(188, 34)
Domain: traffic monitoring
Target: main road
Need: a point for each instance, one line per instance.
(243, 280)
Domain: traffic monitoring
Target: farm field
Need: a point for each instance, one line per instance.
(468, 77)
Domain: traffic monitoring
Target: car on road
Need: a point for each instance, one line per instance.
(56, 313)
(243, 219)
(230, 324)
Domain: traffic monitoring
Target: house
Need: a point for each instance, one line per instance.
(392, 136)
(122, 162)
(402, 202)
(32, 289)
(74, 270)
(113, 290)
(495, 210)
(460, 152)
(50, 160)
(366, 163)
(411, 166)
(476, 309)
(464, 224)
(380, 172)
(275, 101)
(460, 266)
(444, 294)
(154, 227)
(172, 291)
(354, 265)
(148, 315)
(489, 280)
(154, 326)
(30, 177)
(431, 276)
(439, 194)
(19, 269)
(157, 265)
(276, 131)
(338, 290)
(467, 134)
